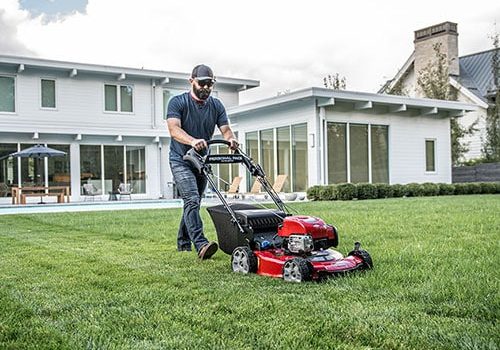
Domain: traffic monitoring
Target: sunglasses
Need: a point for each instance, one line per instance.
(206, 82)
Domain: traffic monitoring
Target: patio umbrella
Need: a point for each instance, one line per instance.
(38, 152)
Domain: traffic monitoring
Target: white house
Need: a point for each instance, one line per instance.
(472, 76)
(109, 121)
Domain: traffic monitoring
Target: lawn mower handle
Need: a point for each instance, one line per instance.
(220, 142)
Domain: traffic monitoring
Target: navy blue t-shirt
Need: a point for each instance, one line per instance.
(197, 119)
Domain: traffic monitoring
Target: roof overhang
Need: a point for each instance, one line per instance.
(360, 101)
(473, 97)
(21, 64)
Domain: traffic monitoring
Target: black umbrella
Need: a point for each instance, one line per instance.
(38, 152)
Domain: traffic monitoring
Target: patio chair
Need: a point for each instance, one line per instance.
(234, 188)
(4, 189)
(90, 191)
(125, 189)
(279, 183)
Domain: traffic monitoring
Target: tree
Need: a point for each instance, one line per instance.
(334, 82)
(491, 146)
(434, 82)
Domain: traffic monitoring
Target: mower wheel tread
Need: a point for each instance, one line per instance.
(297, 270)
(365, 256)
(243, 260)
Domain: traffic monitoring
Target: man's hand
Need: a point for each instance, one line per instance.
(234, 144)
(199, 144)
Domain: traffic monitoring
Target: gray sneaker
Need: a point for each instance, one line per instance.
(207, 250)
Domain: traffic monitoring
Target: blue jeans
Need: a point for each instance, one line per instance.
(191, 186)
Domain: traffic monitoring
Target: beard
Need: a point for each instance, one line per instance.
(201, 93)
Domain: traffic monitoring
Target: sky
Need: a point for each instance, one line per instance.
(286, 45)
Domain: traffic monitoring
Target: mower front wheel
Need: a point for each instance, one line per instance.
(243, 260)
(365, 256)
(297, 270)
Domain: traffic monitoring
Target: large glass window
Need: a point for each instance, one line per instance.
(299, 157)
(32, 170)
(59, 171)
(284, 166)
(337, 152)
(252, 150)
(7, 94)
(136, 168)
(358, 150)
(267, 153)
(90, 165)
(380, 153)
(115, 96)
(430, 156)
(358, 144)
(48, 93)
(113, 167)
(8, 168)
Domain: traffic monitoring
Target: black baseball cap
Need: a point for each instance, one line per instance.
(202, 72)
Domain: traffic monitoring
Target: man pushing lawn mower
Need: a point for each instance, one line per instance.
(191, 119)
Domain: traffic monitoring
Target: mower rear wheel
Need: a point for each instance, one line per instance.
(243, 260)
(297, 270)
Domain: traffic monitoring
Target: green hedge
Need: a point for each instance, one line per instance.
(348, 191)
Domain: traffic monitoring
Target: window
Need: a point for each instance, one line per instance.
(356, 151)
(48, 93)
(380, 153)
(252, 150)
(299, 157)
(136, 168)
(430, 156)
(267, 153)
(90, 165)
(59, 172)
(7, 94)
(358, 155)
(337, 152)
(8, 168)
(118, 96)
(284, 166)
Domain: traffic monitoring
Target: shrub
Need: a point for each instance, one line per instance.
(430, 189)
(473, 188)
(328, 193)
(446, 189)
(461, 188)
(414, 190)
(313, 193)
(366, 191)
(346, 191)
(399, 190)
(488, 187)
(384, 190)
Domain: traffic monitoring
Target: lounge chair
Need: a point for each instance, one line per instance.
(234, 188)
(125, 190)
(90, 191)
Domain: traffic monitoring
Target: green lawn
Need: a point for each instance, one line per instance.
(113, 280)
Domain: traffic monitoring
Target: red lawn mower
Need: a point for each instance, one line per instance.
(273, 242)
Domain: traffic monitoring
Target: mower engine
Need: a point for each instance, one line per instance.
(303, 234)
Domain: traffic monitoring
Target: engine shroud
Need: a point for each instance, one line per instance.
(323, 235)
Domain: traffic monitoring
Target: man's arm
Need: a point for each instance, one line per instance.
(228, 135)
(179, 135)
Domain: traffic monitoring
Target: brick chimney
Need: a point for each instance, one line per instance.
(445, 33)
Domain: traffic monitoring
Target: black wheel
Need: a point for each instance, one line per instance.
(365, 256)
(243, 260)
(297, 270)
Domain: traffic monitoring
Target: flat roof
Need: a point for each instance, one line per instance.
(362, 100)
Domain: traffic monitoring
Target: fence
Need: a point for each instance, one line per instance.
(487, 172)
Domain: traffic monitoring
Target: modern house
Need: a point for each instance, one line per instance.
(109, 121)
(472, 76)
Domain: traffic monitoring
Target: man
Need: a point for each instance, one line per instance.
(191, 120)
